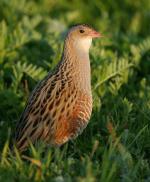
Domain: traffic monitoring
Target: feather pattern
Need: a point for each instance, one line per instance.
(60, 106)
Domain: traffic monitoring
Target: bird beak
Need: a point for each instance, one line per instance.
(95, 34)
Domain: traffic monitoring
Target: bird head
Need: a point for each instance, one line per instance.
(81, 37)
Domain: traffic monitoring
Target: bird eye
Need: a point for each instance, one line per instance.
(81, 31)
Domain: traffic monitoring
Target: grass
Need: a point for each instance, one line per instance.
(115, 146)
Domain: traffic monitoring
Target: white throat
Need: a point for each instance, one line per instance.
(82, 45)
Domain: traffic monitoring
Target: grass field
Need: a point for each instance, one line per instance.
(116, 144)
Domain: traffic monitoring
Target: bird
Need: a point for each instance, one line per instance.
(60, 106)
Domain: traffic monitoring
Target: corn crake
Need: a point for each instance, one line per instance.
(60, 106)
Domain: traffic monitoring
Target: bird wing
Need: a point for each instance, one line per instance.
(35, 119)
(55, 112)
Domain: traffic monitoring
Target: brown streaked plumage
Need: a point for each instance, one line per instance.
(60, 106)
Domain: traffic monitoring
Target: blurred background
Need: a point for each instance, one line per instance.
(31, 42)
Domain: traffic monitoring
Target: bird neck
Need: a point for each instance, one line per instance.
(78, 62)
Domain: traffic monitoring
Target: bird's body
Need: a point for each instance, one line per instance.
(60, 107)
